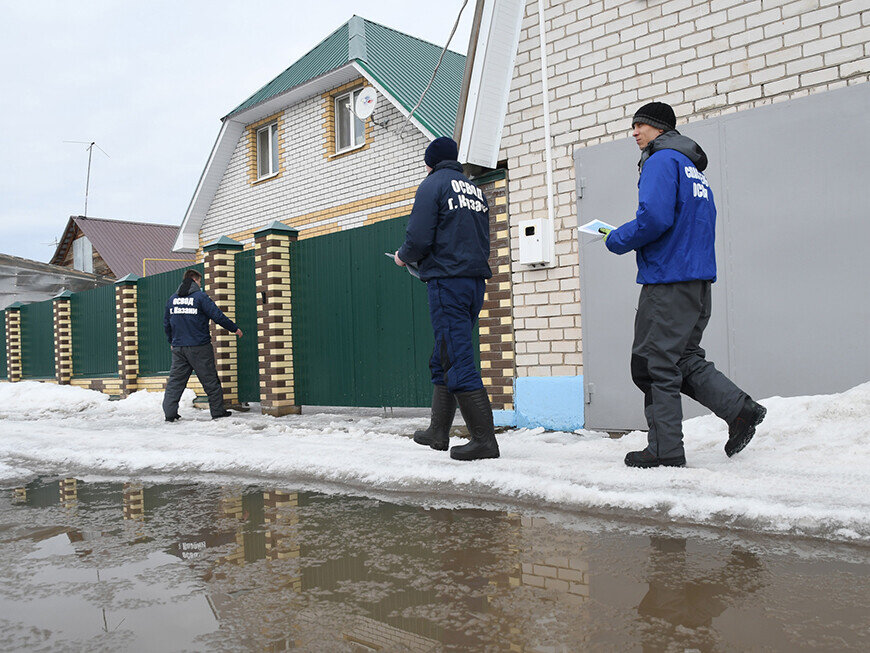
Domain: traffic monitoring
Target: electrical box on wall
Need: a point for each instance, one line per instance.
(536, 241)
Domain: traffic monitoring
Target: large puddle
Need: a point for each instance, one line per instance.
(115, 566)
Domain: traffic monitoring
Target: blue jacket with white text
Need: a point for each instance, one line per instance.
(187, 315)
(674, 230)
(448, 231)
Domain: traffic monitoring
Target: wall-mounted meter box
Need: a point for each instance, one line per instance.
(535, 239)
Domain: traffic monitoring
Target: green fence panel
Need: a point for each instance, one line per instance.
(361, 331)
(37, 340)
(246, 318)
(94, 332)
(155, 357)
(4, 372)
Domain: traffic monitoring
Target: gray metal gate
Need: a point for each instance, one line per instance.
(791, 307)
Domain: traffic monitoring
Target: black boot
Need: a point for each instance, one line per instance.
(437, 435)
(741, 430)
(477, 413)
(645, 459)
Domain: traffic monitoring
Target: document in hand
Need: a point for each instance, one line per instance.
(411, 267)
(593, 227)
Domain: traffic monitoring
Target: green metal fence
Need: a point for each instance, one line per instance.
(155, 357)
(4, 373)
(361, 331)
(37, 340)
(94, 332)
(246, 318)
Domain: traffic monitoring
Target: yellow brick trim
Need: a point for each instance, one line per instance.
(336, 212)
(388, 214)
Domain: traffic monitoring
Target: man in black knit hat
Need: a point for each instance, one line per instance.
(673, 234)
(448, 240)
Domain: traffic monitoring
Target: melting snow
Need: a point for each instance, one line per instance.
(806, 471)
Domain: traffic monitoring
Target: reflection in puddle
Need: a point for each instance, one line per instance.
(134, 566)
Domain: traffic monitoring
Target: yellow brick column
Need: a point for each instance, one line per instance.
(274, 327)
(63, 362)
(13, 342)
(219, 281)
(496, 323)
(127, 324)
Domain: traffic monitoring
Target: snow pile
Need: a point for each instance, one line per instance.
(805, 472)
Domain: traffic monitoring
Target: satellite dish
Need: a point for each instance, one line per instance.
(365, 103)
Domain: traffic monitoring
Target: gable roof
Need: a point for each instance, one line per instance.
(400, 63)
(123, 245)
(397, 65)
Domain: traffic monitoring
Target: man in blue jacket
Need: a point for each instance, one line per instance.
(448, 240)
(186, 321)
(673, 235)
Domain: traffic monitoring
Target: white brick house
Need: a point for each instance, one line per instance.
(294, 151)
(604, 59)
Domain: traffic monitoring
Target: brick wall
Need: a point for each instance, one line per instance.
(605, 59)
(317, 191)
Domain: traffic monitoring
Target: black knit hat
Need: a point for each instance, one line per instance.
(656, 114)
(441, 149)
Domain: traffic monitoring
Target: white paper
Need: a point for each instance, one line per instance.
(593, 227)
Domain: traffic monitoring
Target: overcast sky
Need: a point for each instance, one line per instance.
(149, 83)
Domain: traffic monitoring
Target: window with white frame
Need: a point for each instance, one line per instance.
(349, 130)
(267, 150)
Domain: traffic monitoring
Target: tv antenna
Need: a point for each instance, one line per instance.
(91, 145)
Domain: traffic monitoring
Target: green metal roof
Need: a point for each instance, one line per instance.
(400, 63)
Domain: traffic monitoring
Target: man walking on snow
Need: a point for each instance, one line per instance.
(185, 321)
(673, 235)
(448, 239)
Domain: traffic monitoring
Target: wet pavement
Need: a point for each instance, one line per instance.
(107, 565)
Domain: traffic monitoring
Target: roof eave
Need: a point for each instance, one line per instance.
(387, 93)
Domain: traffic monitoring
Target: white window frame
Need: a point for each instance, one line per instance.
(273, 146)
(350, 116)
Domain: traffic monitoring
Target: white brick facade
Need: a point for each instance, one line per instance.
(315, 193)
(605, 59)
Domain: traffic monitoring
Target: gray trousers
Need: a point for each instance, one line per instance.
(199, 359)
(667, 359)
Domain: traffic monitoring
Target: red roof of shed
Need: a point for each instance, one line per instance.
(124, 245)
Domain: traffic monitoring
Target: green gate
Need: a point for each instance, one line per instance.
(361, 331)
(37, 340)
(94, 332)
(246, 318)
(155, 357)
(3, 369)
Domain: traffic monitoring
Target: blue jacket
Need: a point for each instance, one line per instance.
(448, 231)
(675, 228)
(187, 315)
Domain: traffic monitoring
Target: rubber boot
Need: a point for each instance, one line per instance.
(437, 435)
(477, 413)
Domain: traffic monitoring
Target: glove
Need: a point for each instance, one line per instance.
(605, 231)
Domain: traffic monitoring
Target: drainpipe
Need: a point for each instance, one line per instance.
(548, 151)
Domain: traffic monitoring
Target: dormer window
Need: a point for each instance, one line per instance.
(267, 150)
(349, 130)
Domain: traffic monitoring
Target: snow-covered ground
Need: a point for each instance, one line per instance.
(806, 472)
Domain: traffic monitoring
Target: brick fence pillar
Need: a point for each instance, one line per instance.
(63, 362)
(127, 324)
(13, 342)
(219, 262)
(496, 323)
(274, 327)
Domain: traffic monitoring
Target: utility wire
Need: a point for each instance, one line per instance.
(432, 79)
